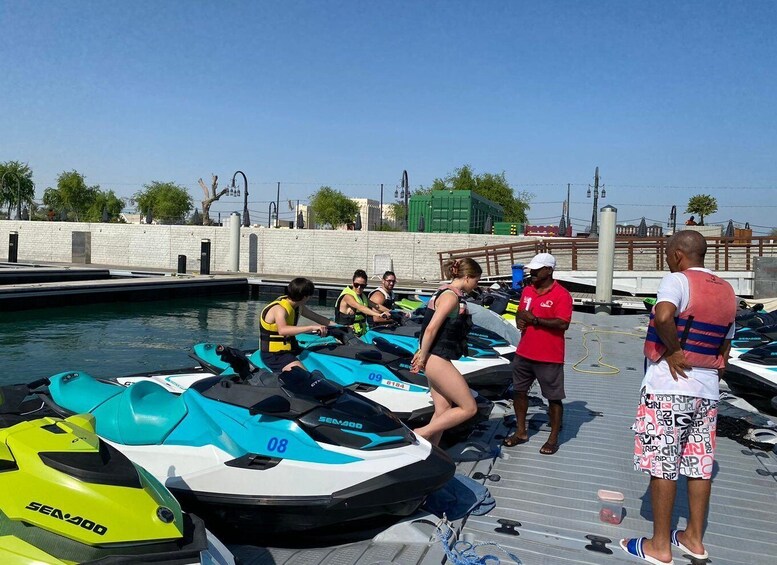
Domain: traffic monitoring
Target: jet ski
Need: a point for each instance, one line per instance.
(262, 455)
(69, 497)
(352, 364)
(746, 339)
(409, 304)
(483, 368)
(490, 330)
(754, 371)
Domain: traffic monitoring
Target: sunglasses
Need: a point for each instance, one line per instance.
(392, 281)
(359, 285)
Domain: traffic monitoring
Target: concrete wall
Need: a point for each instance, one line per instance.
(325, 253)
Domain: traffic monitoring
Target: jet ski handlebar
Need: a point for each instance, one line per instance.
(235, 359)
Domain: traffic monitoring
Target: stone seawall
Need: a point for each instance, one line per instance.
(326, 253)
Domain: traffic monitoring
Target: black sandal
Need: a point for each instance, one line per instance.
(513, 440)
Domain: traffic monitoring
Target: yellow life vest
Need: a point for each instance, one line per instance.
(357, 319)
(271, 340)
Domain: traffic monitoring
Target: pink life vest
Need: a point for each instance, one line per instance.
(702, 327)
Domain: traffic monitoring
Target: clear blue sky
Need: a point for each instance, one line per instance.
(669, 99)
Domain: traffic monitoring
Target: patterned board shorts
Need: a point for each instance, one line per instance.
(675, 435)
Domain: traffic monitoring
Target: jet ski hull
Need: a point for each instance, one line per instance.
(245, 518)
(751, 377)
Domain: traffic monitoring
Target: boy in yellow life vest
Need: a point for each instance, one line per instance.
(278, 326)
(352, 306)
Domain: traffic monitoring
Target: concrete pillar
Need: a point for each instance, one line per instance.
(606, 260)
(234, 242)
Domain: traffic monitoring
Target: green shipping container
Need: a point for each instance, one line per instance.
(507, 228)
(453, 211)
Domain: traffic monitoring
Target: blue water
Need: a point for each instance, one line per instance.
(108, 340)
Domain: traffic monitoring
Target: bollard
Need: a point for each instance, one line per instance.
(234, 242)
(182, 264)
(605, 260)
(205, 257)
(13, 246)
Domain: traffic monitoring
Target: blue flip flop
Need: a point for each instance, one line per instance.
(633, 547)
(676, 542)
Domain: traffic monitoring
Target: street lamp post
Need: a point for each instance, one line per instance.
(594, 233)
(270, 213)
(405, 194)
(246, 219)
(381, 206)
(18, 192)
(672, 223)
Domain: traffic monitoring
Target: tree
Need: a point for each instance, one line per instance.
(211, 196)
(108, 201)
(490, 186)
(332, 207)
(167, 202)
(397, 212)
(703, 205)
(10, 191)
(72, 197)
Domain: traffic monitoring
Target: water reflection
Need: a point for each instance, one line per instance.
(122, 338)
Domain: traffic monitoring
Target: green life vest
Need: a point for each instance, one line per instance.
(357, 319)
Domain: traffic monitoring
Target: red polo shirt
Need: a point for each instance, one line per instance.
(540, 343)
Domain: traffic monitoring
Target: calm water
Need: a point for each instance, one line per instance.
(117, 339)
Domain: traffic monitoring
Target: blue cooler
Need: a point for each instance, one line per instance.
(517, 277)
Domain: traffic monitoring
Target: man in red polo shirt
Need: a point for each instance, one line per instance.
(543, 317)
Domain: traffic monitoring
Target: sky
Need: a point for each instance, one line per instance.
(668, 99)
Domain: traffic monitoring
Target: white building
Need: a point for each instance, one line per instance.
(368, 209)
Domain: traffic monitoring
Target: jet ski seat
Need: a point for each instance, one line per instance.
(81, 392)
(143, 414)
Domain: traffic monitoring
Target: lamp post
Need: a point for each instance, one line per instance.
(672, 223)
(594, 224)
(405, 194)
(18, 192)
(246, 219)
(272, 212)
(381, 206)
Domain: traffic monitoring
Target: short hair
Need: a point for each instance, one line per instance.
(359, 274)
(690, 242)
(458, 268)
(299, 288)
(388, 274)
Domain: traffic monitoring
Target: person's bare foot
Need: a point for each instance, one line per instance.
(646, 546)
(692, 547)
(515, 439)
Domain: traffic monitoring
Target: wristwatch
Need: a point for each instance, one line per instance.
(535, 321)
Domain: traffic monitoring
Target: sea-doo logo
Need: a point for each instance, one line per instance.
(341, 423)
(546, 304)
(76, 520)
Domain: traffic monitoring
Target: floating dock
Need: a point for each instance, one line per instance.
(547, 510)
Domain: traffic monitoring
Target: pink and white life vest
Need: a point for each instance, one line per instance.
(702, 327)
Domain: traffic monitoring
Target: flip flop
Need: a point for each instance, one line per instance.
(634, 547)
(676, 542)
(549, 448)
(513, 440)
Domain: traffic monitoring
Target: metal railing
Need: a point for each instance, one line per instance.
(631, 254)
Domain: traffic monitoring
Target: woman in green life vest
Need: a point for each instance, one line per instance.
(352, 306)
(278, 326)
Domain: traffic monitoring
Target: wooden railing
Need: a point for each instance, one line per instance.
(631, 254)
